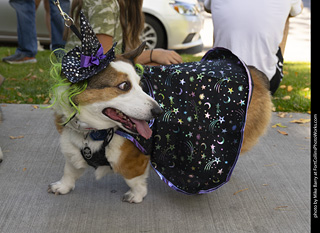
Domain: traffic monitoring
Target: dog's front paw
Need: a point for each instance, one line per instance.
(59, 188)
(132, 197)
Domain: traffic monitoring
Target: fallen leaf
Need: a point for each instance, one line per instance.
(16, 137)
(35, 106)
(241, 190)
(282, 114)
(289, 88)
(270, 165)
(40, 96)
(30, 100)
(46, 101)
(40, 70)
(282, 132)
(301, 121)
(287, 97)
(24, 169)
(306, 89)
(282, 86)
(279, 125)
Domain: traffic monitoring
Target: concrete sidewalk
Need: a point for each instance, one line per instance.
(269, 190)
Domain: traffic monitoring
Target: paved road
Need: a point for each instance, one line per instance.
(269, 190)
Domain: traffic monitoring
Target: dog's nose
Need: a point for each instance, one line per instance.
(156, 111)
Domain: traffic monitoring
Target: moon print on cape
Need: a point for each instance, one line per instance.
(176, 131)
(221, 141)
(180, 93)
(158, 136)
(203, 144)
(216, 181)
(162, 95)
(172, 165)
(228, 101)
(209, 105)
(228, 67)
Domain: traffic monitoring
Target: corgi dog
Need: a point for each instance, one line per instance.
(114, 99)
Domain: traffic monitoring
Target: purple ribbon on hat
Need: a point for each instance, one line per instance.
(87, 61)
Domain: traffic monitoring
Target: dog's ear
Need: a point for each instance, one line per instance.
(132, 55)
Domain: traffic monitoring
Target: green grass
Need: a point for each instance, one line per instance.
(25, 83)
(30, 83)
(294, 94)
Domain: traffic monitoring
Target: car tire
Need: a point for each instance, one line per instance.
(153, 33)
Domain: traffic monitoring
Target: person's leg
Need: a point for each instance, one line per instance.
(57, 24)
(277, 78)
(26, 18)
(46, 4)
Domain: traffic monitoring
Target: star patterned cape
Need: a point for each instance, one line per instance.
(197, 140)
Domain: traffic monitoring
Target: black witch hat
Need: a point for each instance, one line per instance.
(82, 63)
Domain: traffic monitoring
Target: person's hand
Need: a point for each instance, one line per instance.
(165, 57)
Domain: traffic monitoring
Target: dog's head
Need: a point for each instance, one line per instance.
(114, 97)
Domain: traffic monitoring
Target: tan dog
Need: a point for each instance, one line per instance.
(259, 112)
(114, 99)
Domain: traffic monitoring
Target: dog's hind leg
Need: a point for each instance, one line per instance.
(68, 180)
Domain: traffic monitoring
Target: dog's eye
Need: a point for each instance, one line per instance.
(124, 86)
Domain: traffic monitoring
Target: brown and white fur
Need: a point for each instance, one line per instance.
(118, 87)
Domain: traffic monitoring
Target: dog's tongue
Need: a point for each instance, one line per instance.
(142, 128)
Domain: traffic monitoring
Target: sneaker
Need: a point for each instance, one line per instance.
(19, 59)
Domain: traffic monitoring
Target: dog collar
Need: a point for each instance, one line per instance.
(100, 135)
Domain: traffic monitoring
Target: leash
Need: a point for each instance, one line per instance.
(68, 21)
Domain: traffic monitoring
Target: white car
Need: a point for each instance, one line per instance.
(168, 24)
(172, 24)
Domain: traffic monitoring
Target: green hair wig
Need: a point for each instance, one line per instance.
(65, 98)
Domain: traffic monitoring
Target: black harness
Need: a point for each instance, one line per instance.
(98, 158)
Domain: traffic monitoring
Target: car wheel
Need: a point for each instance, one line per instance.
(153, 33)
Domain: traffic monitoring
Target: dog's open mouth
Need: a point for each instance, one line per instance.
(132, 124)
